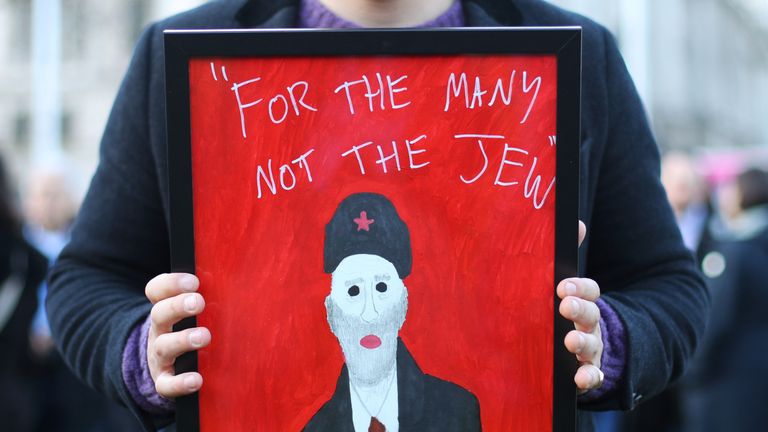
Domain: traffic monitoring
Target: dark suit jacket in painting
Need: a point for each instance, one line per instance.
(425, 403)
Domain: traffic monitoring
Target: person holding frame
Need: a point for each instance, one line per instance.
(638, 312)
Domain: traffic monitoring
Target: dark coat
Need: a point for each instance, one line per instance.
(18, 402)
(727, 385)
(633, 249)
(425, 403)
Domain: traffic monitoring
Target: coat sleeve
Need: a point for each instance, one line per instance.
(635, 251)
(119, 241)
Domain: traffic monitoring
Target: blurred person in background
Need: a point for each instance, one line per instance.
(49, 208)
(22, 269)
(725, 389)
(729, 208)
(687, 193)
(64, 402)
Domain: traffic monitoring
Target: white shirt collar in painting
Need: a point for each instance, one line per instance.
(388, 414)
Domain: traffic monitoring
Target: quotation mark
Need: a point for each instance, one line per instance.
(552, 140)
(223, 72)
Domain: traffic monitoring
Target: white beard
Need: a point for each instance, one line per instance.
(368, 366)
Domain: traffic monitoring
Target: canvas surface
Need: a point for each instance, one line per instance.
(462, 146)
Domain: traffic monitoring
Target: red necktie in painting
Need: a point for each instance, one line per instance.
(376, 426)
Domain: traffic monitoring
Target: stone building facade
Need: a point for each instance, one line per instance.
(701, 66)
(96, 41)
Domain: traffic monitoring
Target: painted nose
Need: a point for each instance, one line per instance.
(370, 313)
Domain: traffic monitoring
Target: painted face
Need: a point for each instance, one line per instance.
(366, 309)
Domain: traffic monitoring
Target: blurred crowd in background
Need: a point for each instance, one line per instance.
(701, 67)
(723, 218)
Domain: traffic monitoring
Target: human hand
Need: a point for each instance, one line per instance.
(578, 305)
(174, 298)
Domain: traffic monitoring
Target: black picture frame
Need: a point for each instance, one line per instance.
(181, 46)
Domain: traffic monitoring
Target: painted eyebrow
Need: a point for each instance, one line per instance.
(353, 281)
(382, 277)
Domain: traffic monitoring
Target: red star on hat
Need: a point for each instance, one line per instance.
(363, 223)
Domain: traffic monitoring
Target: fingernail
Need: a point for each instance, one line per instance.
(196, 338)
(190, 382)
(582, 341)
(190, 303)
(570, 288)
(187, 283)
(575, 307)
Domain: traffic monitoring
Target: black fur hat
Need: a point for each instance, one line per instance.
(367, 223)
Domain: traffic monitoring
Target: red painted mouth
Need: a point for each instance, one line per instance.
(370, 342)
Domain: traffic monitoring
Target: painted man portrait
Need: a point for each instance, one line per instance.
(367, 251)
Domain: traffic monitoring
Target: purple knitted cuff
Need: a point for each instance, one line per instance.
(313, 14)
(136, 374)
(614, 353)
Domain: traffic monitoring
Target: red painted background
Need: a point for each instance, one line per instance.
(481, 290)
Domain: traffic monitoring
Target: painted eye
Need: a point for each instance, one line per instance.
(381, 287)
(353, 290)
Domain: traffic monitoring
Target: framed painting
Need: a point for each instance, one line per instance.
(378, 220)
